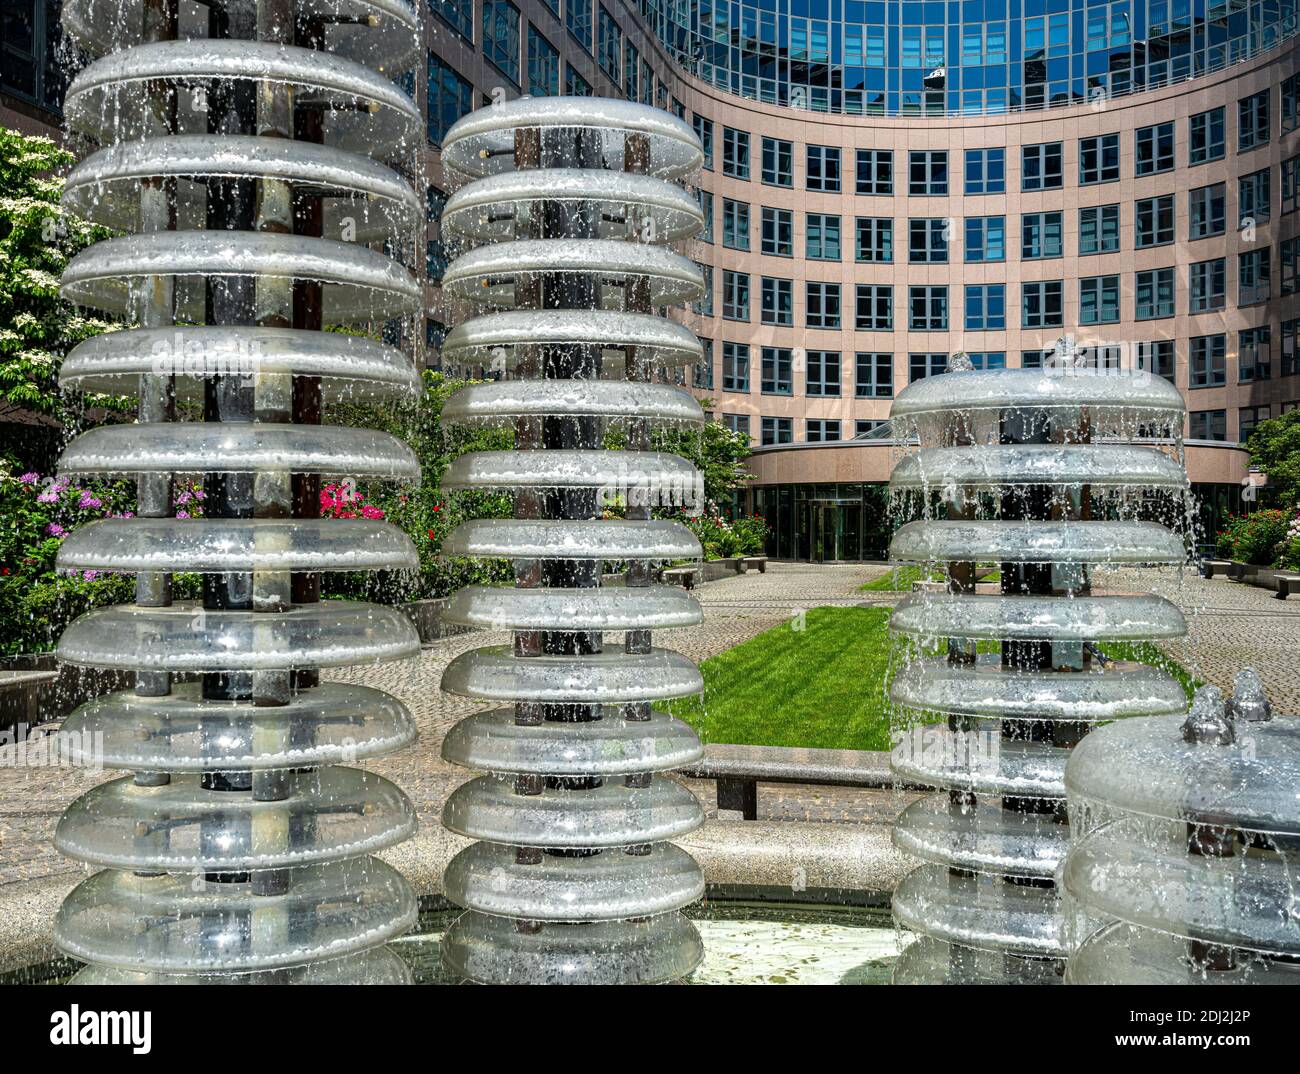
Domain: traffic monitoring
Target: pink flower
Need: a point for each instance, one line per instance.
(55, 530)
(87, 500)
(90, 576)
(48, 496)
(182, 514)
(371, 512)
(30, 478)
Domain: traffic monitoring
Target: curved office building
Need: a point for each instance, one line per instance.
(890, 182)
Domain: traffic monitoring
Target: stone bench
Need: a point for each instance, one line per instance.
(1286, 585)
(738, 770)
(758, 563)
(686, 577)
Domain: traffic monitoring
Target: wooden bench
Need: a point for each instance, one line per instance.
(738, 770)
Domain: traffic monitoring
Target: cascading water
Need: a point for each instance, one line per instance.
(1182, 866)
(574, 879)
(245, 147)
(1039, 472)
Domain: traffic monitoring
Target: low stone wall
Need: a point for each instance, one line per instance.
(37, 689)
(429, 619)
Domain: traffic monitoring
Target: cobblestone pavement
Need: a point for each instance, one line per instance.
(1232, 625)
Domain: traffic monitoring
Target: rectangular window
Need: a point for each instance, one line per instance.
(778, 162)
(1155, 294)
(1289, 249)
(737, 423)
(1042, 304)
(778, 301)
(1290, 185)
(450, 97)
(704, 304)
(735, 367)
(920, 366)
(1153, 221)
(1290, 348)
(778, 232)
(986, 171)
(1252, 121)
(704, 132)
(928, 309)
(735, 224)
(1207, 361)
(927, 241)
(778, 371)
(927, 172)
(577, 17)
(1208, 425)
(822, 237)
(1157, 358)
(823, 375)
(1207, 211)
(1041, 236)
(1033, 359)
(574, 84)
(458, 14)
(735, 153)
(988, 359)
(1206, 139)
(1248, 417)
(1099, 229)
(875, 171)
(1206, 285)
(1253, 200)
(1041, 167)
(864, 427)
(735, 295)
(1252, 276)
(986, 307)
(609, 45)
(543, 65)
(873, 375)
(1099, 300)
(1254, 357)
(824, 168)
(778, 431)
(819, 430)
(822, 305)
(702, 372)
(631, 67)
(874, 307)
(874, 238)
(986, 238)
(1154, 149)
(1098, 159)
(1291, 104)
(706, 207)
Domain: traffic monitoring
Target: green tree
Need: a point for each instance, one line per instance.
(1274, 447)
(37, 239)
(718, 453)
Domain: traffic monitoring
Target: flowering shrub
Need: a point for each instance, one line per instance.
(344, 501)
(1258, 538)
(721, 539)
(1289, 556)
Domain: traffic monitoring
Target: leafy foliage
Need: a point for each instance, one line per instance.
(1255, 538)
(37, 239)
(1274, 447)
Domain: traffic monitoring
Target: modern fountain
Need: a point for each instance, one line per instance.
(1184, 836)
(240, 145)
(1040, 472)
(567, 211)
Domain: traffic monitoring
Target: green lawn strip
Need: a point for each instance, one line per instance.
(819, 686)
(900, 579)
(822, 686)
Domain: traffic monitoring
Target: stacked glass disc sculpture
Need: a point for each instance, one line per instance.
(567, 213)
(1040, 475)
(1183, 863)
(248, 150)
